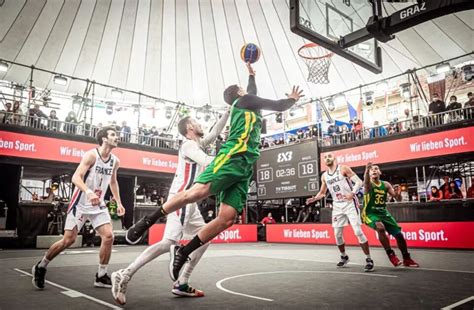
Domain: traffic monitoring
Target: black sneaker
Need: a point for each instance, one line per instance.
(369, 267)
(38, 276)
(135, 233)
(343, 262)
(103, 281)
(177, 260)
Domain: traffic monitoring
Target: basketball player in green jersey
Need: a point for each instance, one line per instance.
(229, 174)
(376, 215)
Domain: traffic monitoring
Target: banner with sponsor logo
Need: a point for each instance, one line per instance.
(38, 147)
(234, 234)
(435, 144)
(442, 235)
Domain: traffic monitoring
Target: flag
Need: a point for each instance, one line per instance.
(353, 113)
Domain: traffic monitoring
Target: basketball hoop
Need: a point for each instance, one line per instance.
(318, 60)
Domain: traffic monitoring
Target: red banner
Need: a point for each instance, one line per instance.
(37, 147)
(435, 144)
(234, 234)
(443, 235)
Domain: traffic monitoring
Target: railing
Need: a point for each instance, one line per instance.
(368, 133)
(82, 129)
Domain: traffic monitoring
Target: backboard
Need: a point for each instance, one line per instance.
(327, 22)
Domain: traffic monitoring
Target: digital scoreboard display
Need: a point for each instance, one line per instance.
(288, 171)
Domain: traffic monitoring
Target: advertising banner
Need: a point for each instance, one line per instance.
(234, 234)
(435, 144)
(38, 147)
(442, 235)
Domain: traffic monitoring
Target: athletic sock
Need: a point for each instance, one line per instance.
(157, 214)
(406, 255)
(191, 246)
(44, 262)
(150, 253)
(343, 253)
(102, 270)
(389, 251)
(189, 267)
(367, 256)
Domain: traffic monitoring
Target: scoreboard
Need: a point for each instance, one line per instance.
(288, 171)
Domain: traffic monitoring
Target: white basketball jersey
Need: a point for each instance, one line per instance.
(338, 185)
(97, 179)
(186, 172)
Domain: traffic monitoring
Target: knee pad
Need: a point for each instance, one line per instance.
(338, 235)
(359, 234)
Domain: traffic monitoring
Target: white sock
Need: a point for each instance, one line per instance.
(367, 256)
(343, 254)
(44, 262)
(102, 270)
(189, 267)
(150, 253)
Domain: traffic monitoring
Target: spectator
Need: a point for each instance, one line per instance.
(5, 116)
(436, 106)
(36, 114)
(345, 134)
(300, 134)
(454, 109)
(436, 194)
(357, 128)
(282, 219)
(444, 188)
(114, 125)
(454, 191)
(268, 219)
(143, 135)
(154, 196)
(378, 131)
(470, 190)
(53, 121)
(95, 129)
(17, 113)
(71, 123)
(393, 127)
(469, 106)
(125, 132)
(313, 131)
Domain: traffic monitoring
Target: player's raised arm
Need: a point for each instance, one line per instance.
(216, 130)
(395, 193)
(253, 102)
(367, 178)
(320, 194)
(191, 150)
(251, 86)
(78, 177)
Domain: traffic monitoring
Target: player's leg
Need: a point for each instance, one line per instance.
(197, 192)
(383, 237)
(101, 223)
(74, 223)
(121, 278)
(396, 231)
(339, 220)
(194, 224)
(356, 223)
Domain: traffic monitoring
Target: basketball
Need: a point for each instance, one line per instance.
(250, 53)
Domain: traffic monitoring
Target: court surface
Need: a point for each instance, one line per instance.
(247, 276)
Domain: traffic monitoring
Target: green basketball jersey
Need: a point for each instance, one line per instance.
(375, 200)
(244, 135)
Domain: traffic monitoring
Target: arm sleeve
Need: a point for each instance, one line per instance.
(252, 86)
(357, 183)
(191, 150)
(252, 102)
(216, 130)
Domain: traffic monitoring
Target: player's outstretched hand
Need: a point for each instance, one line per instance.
(296, 93)
(250, 68)
(310, 200)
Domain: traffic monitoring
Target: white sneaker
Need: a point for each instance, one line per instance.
(120, 280)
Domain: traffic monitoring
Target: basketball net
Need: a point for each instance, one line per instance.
(317, 60)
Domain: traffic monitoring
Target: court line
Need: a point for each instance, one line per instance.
(330, 262)
(219, 283)
(458, 303)
(71, 292)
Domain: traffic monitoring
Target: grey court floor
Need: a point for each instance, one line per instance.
(247, 276)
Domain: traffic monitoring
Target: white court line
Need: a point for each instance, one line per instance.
(458, 303)
(219, 283)
(330, 262)
(72, 293)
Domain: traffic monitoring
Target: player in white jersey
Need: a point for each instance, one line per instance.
(343, 184)
(97, 170)
(185, 222)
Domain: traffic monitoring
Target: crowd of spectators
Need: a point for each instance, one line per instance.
(310, 132)
(449, 190)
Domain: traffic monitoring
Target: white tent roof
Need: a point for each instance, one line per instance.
(188, 50)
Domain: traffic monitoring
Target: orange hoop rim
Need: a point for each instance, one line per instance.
(309, 45)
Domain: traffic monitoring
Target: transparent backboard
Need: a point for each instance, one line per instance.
(326, 22)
